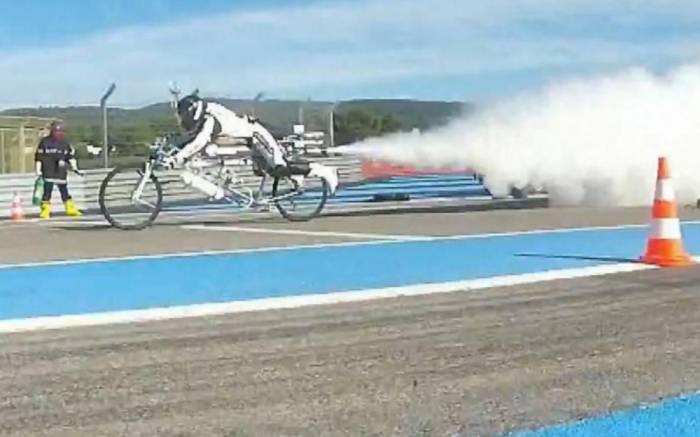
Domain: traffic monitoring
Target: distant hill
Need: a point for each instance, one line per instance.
(142, 125)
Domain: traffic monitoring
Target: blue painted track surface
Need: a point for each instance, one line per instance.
(673, 418)
(48, 290)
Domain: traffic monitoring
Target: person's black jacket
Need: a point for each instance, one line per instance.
(54, 157)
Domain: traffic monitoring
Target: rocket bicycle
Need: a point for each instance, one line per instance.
(132, 198)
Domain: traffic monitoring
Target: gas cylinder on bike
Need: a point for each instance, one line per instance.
(202, 184)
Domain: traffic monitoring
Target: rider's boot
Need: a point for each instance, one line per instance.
(328, 174)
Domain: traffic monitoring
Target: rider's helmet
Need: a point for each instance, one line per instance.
(190, 112)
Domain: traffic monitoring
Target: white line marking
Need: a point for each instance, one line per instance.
(316, 246)
(305, 233)
(216, 309)
(78, 223)
(8, 224)
(552, 231)
(58, 221)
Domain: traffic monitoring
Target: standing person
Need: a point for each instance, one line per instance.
(53, 156)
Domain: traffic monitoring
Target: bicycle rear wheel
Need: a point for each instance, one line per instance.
(116, 202)
(299, 205)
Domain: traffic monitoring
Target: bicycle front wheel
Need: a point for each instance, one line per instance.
(118, 205)
(299, 205)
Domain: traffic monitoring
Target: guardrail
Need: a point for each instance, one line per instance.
(363, 185)
(85, 190)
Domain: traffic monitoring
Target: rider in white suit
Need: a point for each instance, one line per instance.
(206, 121)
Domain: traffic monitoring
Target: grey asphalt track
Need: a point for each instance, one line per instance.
(91, 237)
(458, 364)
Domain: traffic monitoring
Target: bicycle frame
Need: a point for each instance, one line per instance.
(145, 176)
(256, 199)
(227, 180)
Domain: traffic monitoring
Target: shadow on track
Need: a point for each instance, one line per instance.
(481, 206)
(580, 257)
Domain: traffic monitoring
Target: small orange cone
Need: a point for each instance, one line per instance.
(665, 245)
(16, 213)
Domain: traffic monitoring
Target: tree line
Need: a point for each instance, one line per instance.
(134, 138)
(133, 130)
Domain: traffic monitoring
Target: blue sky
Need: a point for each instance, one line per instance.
(68, 51)
(63, 21)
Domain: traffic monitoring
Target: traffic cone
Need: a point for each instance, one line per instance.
(665, 245)
(16, 213)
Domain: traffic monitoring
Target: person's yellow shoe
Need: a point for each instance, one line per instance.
(45, 211)
(71, 210)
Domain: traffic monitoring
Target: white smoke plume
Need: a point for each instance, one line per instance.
(588, 142)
